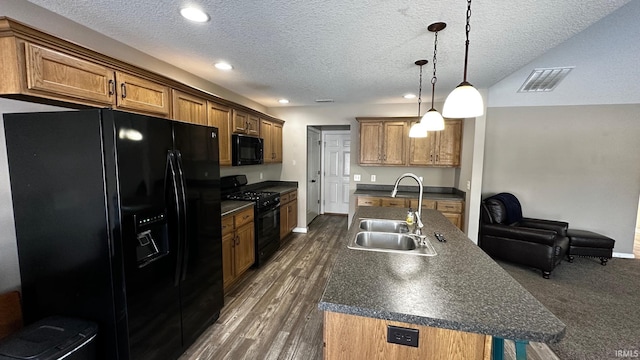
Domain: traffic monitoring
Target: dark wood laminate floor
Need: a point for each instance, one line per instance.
(272, 313)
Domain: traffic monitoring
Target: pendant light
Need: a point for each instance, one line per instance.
(432, 120)
(419, 130)
(464, 101)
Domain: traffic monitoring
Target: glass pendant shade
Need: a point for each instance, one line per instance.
(418, 130)
(464, 101)
(432, 120)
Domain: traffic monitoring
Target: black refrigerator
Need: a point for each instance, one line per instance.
(118, 221)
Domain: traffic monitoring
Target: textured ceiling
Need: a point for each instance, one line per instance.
(350, 51)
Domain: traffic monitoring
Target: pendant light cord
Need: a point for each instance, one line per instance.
(466, 48)
(420, 91)
(434, 79)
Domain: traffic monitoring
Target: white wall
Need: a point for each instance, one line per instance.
(9, 271)
(579, 164)
(606, 60)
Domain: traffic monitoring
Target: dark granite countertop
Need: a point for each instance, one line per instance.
(280, 188)
(461, 288)
(231, 206)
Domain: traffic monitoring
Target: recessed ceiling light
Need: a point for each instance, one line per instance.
(194, 14)
(223, 66)
(410, 96)
(283, 101)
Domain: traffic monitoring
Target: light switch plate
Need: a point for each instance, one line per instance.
(356, 177)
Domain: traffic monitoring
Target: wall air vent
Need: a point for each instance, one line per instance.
(545, 79)
(324, 100)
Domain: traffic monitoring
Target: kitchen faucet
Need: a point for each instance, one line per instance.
(419, 225)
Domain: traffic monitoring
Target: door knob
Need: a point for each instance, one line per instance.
(313, 181)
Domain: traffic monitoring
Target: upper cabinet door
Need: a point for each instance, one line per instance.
(276, 136)
(265, 133)
(253, 125)
(240, 121)
(189, 108)
(449, 142)
(59, 74)
(421, 149)
(220, 117)
(395, 143)
(371, 142)
(135, 93)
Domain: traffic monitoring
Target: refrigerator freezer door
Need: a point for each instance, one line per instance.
(201, 286)
(149, 212)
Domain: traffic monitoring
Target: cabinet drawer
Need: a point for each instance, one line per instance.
(393, 202)
(426, 204)
(450, 206)
(284, 198)
(293, 195)
(227, 224)
(368, 201)
(244, 217)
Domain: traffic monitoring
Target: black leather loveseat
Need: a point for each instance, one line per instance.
(506, 235)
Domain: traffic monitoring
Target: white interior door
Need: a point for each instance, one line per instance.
(337, 152)
(313, 173)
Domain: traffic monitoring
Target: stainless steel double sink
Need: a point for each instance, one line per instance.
(390, 236)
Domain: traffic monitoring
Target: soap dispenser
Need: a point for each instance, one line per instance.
(410, 217)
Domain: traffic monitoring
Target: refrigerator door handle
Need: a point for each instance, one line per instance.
(184, 235)
(172, 170)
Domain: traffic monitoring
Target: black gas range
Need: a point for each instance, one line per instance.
(266, 214)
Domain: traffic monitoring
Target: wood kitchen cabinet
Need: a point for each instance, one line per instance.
(288, 213)
(271, 132)
(245, 123)
(189, 108)
(451, 209)
(439, 148)
(61, 76)
(54, 74)
(356, 337)
(220, 117)
(238, 245)
(383, 142)
(386, 142)
(142, 95)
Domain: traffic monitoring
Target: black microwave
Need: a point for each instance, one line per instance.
(246, 150)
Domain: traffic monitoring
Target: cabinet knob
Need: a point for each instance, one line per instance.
(112, 87)
(123, 87)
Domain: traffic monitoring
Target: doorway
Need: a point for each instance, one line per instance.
(336, 171)
(314, 149)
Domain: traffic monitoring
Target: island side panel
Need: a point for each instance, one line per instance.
(353, 337)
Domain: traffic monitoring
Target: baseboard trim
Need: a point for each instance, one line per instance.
(623, 255)
(302, 230)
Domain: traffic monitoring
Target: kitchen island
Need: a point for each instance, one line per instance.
(458, 299)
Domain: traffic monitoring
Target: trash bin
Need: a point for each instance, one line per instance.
(52, 338)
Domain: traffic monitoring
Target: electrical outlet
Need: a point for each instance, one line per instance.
(468, 184)
(420, 177)
(261, 176)
(402, 336)
(356, 177)
(373, 178)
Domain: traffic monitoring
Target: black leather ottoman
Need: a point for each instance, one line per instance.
(588, 243)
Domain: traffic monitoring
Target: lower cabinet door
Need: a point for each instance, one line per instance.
(228, 245)
(245, 248)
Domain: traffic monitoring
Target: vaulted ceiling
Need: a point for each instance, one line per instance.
(349, 51)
